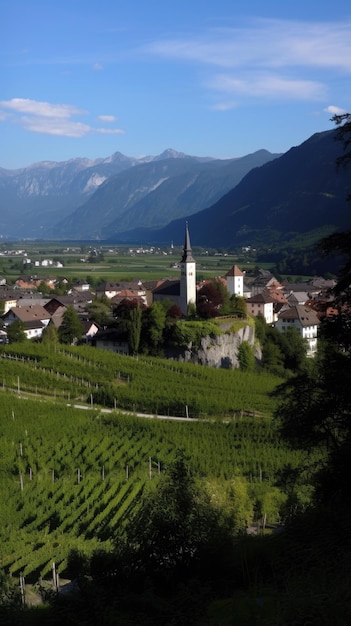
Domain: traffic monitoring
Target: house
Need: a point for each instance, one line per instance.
(113, 340)
(261, 304)
(57, 302)
(90, 329)
(306, 322)
(265, 280)
(8, 299)
(33, 282)
(81, 285)
(297, 297)
(35, 318)
(130, 295)
(113, 288)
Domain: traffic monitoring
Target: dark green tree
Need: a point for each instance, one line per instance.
(135, 316)
(16, 332)
(246, 356)
(44, 288)
(99, 311)
(71, 328)
(175, 525)
(315, 407)
(153, 324)
(50, 334)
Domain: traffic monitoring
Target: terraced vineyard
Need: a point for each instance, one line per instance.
(70, 479)
(143, 384)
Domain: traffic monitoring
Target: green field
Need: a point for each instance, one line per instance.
(70, 478)
(118, 263)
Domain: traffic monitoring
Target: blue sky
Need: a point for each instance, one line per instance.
(84, 78)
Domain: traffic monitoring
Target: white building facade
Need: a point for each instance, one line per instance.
(187, 293)
(306, 322)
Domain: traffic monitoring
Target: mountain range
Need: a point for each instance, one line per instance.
(299, 196)
(260, 198)
(84, 199)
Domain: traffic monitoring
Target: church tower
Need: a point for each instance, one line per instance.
(235, 281)
(187, 276)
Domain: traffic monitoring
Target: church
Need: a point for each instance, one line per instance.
(181, 292)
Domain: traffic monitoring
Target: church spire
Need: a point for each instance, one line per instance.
(187, 254)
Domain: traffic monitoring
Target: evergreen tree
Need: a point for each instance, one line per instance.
(246, 356)
(71, 328)
(135, 316)
(50, 334)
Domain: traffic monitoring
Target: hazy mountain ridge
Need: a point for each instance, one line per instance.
(152, 194)
(299, 192)
(33, 198)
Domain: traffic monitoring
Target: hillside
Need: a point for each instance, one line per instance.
(300, 192)
(35, 201)
(152, 194)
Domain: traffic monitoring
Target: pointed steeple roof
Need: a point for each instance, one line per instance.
(234, 271)
(187, 255)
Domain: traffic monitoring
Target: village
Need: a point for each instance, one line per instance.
(283, 304)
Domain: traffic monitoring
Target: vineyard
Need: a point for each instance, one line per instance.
(143, 384)
(70, 478)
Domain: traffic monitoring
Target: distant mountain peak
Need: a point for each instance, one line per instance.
(170, 154)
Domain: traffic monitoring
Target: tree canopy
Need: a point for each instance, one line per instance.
(71, 328)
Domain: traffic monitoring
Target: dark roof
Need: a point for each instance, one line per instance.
(111, 334)
(64, 300)
(168, 288)
(33, 324)
(260, 298)
(305, 315)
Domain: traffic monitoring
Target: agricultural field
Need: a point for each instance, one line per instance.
(118, 263)
(141, 384)
(71, 478)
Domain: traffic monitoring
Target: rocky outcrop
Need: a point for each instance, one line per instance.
(222, 350)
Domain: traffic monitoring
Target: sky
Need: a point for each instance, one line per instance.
(83, 78)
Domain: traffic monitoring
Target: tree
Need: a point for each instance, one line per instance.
(99, 311)
(343, 122)
(246, 356)
(44, 288)
(16, 332)
(315, 407)
(174, 526)
(50, 334)
(71, 328)
(213, 299)
(153, 324)
(135, 316)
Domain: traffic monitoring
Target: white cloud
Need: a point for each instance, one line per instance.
(51, 119)
(97, 67)
(110, 131)
(333, 110)
(224, 106)
(106, 118)
(270, 57)
(267, 85)
(265, 43)
(55, 126)
(43, 109)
